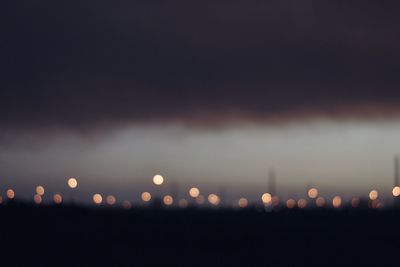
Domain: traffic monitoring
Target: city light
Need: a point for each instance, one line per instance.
(111, 200)
(194, 192)
(158, 179)
(10, 194)
(146, 196)
(97, 199)
(37, 199)
(168, 200)
(337, 202)
(39, 190)
(266, 198)
(302, 203)
(373, 195)
(200, 200)
(290, 203)
(214, 199)
(243, 202)
(72, 183)
(396, 191)
(57, 199)
(320, 202)
(183, 203)
(312, 193)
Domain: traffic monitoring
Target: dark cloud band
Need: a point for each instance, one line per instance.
(83, 63)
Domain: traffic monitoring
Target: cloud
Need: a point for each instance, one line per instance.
(85, 63)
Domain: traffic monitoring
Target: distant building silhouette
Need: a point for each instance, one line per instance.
(272, 182)
(396, 181)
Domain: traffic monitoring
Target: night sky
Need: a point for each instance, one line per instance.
(207, 93)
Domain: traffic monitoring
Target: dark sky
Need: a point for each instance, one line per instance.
(83, 63)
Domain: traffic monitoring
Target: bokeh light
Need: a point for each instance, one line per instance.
(243, 202)
(290, 203)
(111, 200)
(200, 200)
(302, 203)
(97, 199)
(40, 190)
(213, 199)
(37, 199)
(158, 179)
(396, 191)
(168, 200)
(72, 182)
(320, 202)
(10, 194)
(57, 198)
(266, 198)
(337, 202)
(194, 192)
(312, 193)
(146, 196)
(373, 195)
(183, 203)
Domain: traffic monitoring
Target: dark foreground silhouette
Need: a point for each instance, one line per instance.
(78, 236)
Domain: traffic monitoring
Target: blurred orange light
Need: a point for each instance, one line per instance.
(168, 200)
(396, 191)
(337, 202)
(97, 199)
(57, 198)
(10, 194)
(146, 196)
(111, 200)
(72, 182)
(320, 202)
(183, 203)
(290, 203)
(302, 203)
(243, 202)
(158, 179)
(213, 199)
(40, 190)
(373, 195)
(200, 200)
(37, 199)
(266, 198)
(312, 193)
(194, 192)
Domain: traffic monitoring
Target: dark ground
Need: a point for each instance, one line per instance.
(78, 236)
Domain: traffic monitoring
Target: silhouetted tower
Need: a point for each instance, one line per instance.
(396, 171)
(175, 191)
(396, 197)
(272, 182)
(222, 195)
